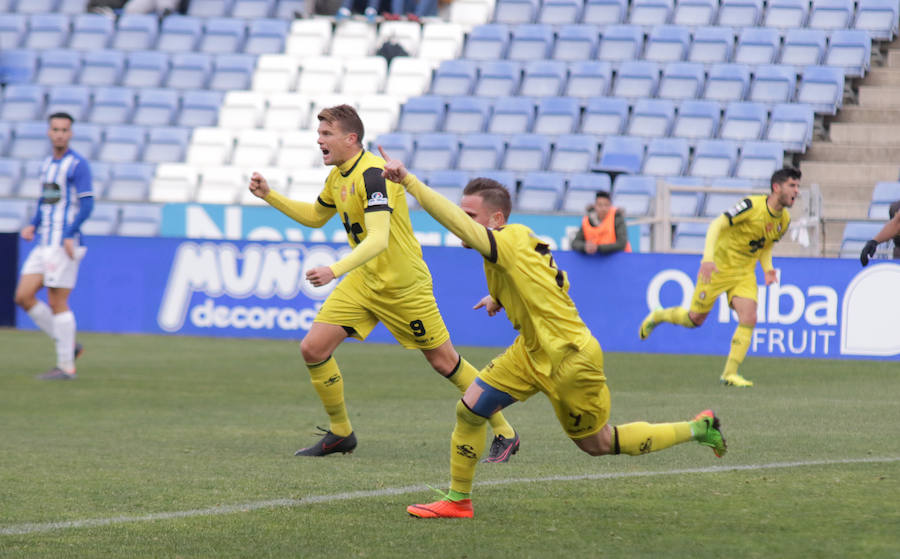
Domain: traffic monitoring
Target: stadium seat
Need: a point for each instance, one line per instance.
(512, 115)
(199, 108)
(717, 203)
(541, 192)
(697, 120)
(86, 138)
(74, 99)
(604, 116)
(379, 112)
(252, 9)
(651, 118)
(180, 33)
(466, 115)
(100, 177)
(112, 105)
(714, 159)
(740, 13)
(559, 12)
(232, 71)
(879, 18)
(130, 182)
(884, 194)
(850, 50)
(604, 12)
(104, 220)
(576, 42)
(47, 31)
(102, 68)
(681, 80)
(634, 194)
(407, 77)
(91, 32)
(543, 78)
(666, 156)
(10, 175)
(309, 37)
(822, 87)
(480, 152)
(530, 42)
(14, 214)
(757, 45)
(122, 144)
(830, 15)
(711, 45)
(242, 109)
(759, 160)
(448, 183)
(582, 191)
(306, 184)
(23, 102)
(13, 28)
(516, 12)
(487, 42)
(352, 39)
(690, 237)
(255, 148)
(266, 36)
(588, 79)
(499, 78)
(667, 43)
(744, 121)
(856, 234)
(287, 111)
(166, 144)
(727, 82)
(651, 12)
(407, 34)
(621, 154)
(58, 67)
(210, 146)
(319, 74)
(299, 150)
(5, 136)
(422, 114)
(803, 47)
(435, 151)
(573, 153)
(136, 32)
(140, 220)
(223, 36)
(636, 79)
(145, 69)
(773, 84)
(695, 13)
(32, 182)
(619, 43)
(786, 14)
(454, 77)
(17, 66)
(557, 115)
(275, 73)
(287, 9)
(210, 8)
(189, 70)
(792, 125)
(173, 182)
(685, 204)
(441, 41)
(398, 145)
(365, 75)
(526, 153)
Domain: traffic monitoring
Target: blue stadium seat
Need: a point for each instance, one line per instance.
(5, 136)
(740, 13)
(690, 236)
(636, 79)
(576, 42)
(822, 87)
(711, 45)
(287, 8)
(422, 114)
(58, 67)
(480, 152)
(398, 144)
(582, 190)
(199, 108)
(35, 6)
(487, 42)
(454, 78)
(166, 144)
(253, 9)
(541, 192)
(17, 66)
(830, 14)
(102, 68)
(634, 194)
(667, 43)
(651, 12)
(91, 32)
(449, 183)
(685, 204)
(759, 160)
(100, 175)
(526, 153)
(877, 17)
(29, 141)
(559, 12)
(727, 82)
(467, 115)
(512, 115)
(605, 116)
(210, 8)
(498, 78)
(13, 28)
(122, 144)
(697, 120)
(73, 99)
(112, 105)
(757, 45)
(651, 118)
(856, 234)
(104, 220)
(435, 151)
(23, 102)
(14, 214)
(136, 32)
(86, 139)
(682, 80)
(786, 14)
(792, 125)
(666, 156)
(223, 36)
(850, 50)
(557, 115)
(47, 31)
(621, 154)
(619, 43)
(232, 71)
(155, 107)
(604, 12)
(714, 158)
(573, 153)
(32, 182)
(803, 47)
(10, 176)
(266, 36)
(695, 13)
(543, 78)
(588, 79)
(530, 42)
(145, 69)
(744, 121)
(884, 194)
(142, 220)
(180, 33)
(515, 12)
(130, 182)
(773, 84)
(719, 202)
(189, 70)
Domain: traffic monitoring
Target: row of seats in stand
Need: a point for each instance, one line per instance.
(132, 220)
(204, 8)
(111, 181)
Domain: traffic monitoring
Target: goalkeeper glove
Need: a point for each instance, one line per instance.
(868, 251)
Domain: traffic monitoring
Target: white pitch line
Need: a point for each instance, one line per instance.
(25, 529)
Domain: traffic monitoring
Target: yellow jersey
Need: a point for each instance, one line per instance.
(752, 231)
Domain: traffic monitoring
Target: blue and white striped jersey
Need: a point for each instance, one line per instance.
(65, 182)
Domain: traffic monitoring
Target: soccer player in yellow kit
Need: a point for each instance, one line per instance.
(554, 353)
(735, 241)
(386, 278)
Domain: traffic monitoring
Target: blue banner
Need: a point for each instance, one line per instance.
(820, 308)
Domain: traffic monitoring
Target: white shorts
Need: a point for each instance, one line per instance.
(55, 265)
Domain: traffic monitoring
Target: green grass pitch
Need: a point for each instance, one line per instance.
(182, 447)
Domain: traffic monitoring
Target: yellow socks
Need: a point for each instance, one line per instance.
(674, 315)
(740, 343)
(462, 377)
(466, 446)
(642, 437)
(326, 379)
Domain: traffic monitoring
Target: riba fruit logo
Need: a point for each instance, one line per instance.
(221, 271)
(870, 310)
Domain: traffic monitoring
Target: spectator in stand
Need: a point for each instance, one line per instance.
(415, 10)
(602, 229)
(346, 9)
(891, 230)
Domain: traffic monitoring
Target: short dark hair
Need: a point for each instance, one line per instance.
(602, 194)
(61, 115)
(346, 117)
(783, 174)
(492, 192)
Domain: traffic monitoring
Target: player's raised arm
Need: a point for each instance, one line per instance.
(440, 208)
(304, 213)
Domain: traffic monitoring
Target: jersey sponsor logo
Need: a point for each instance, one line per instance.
(377, 199)
(51, 193)
(739, 208)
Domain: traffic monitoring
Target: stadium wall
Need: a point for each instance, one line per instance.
(822, 308)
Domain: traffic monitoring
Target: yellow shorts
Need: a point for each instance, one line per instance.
(411, 315)
(705, 294)
(576, 388)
